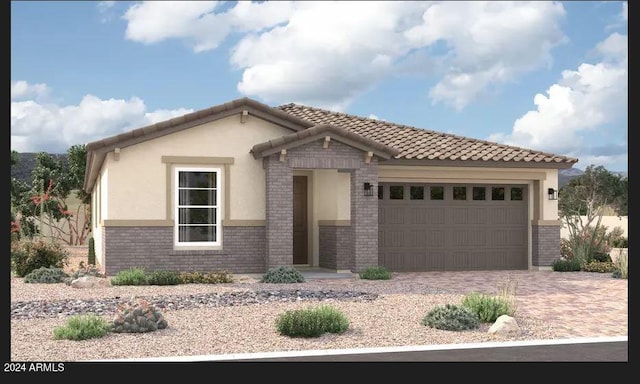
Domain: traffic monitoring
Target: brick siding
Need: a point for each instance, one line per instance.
(545, 247)
(151, 248)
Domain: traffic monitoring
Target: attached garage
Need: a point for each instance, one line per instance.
(452, 227)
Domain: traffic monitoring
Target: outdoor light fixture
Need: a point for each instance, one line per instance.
(553, 194)
(368, 189)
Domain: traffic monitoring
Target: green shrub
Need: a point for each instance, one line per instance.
(621, 264)
(46, 276)
(138, 316)
(601, 257)
(451, 318)
(131, 276)
(91, 257)
(29, 255)
(206, 277)
(600, 267)
(487, 307)
(312, 322)
(566, 265)
(83, 327)
(163, 278)
(585, 244)
(284, 274)
(376, 273)
(620, 242)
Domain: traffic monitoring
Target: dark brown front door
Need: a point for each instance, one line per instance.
(300, 220)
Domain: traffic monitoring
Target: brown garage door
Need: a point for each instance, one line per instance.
(448, 227)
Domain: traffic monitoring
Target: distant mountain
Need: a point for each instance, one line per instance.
(566, 175)
(26, 162)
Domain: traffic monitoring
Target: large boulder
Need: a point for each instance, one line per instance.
(505, 326)
(90, 282)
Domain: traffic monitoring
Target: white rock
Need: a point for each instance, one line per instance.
(90, 282)
(505, 326)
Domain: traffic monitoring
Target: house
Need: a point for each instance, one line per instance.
(246, 187)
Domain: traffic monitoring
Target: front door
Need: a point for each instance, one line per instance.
(300, 234)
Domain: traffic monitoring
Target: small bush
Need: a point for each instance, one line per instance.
(163, 278)
(312, 322)
(620, 242)
(91, 257)
(600, 267)
(601, 257)
(566, 265)
(46, 276)
(83, 327)
(284, 274)
(29, 255)
(451, 318)
(131, 276)
(376, 273)
(206, 277)
(621, 264)
(138, 316)
(488, 308)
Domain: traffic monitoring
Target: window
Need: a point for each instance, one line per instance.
(437, 193)
(479, 193)
(380, 192)
(497, 193)
(516, 193)
(197, 206)
(396, 192)
(416, 193)
(459, 193)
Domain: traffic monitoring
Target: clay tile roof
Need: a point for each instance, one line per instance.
(416, 143)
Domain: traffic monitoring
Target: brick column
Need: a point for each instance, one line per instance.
(279, 212)
(545, 247)
(364, 217)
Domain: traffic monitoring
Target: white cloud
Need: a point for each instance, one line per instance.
(21, 89)
(196, 21)
(104, 6)
(488, 43)
(329, 53)
(106, 10)
(53, 128)
(592, 97)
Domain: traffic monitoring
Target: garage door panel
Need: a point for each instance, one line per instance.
(506, 237)
(436, 235)
(395, 215)
(394, 238)
(467, 238)
(517, 216)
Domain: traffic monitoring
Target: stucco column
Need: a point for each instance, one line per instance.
(279, 212)
(364, 217)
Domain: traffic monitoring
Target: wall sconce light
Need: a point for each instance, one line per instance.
(368, 189)
(553, 194)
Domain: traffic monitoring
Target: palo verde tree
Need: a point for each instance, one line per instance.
(45, 203)
(581, 203)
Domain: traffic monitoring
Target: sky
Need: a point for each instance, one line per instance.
(549, 76)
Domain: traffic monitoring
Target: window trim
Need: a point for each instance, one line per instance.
(176, 207)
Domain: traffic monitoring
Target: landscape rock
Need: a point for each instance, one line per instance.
(505, 326)
(90, 282)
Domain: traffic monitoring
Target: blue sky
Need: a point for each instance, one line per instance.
(550, 76)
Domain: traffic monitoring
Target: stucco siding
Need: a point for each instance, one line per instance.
(137, 180)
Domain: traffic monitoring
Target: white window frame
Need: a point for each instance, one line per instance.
(176, 200)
